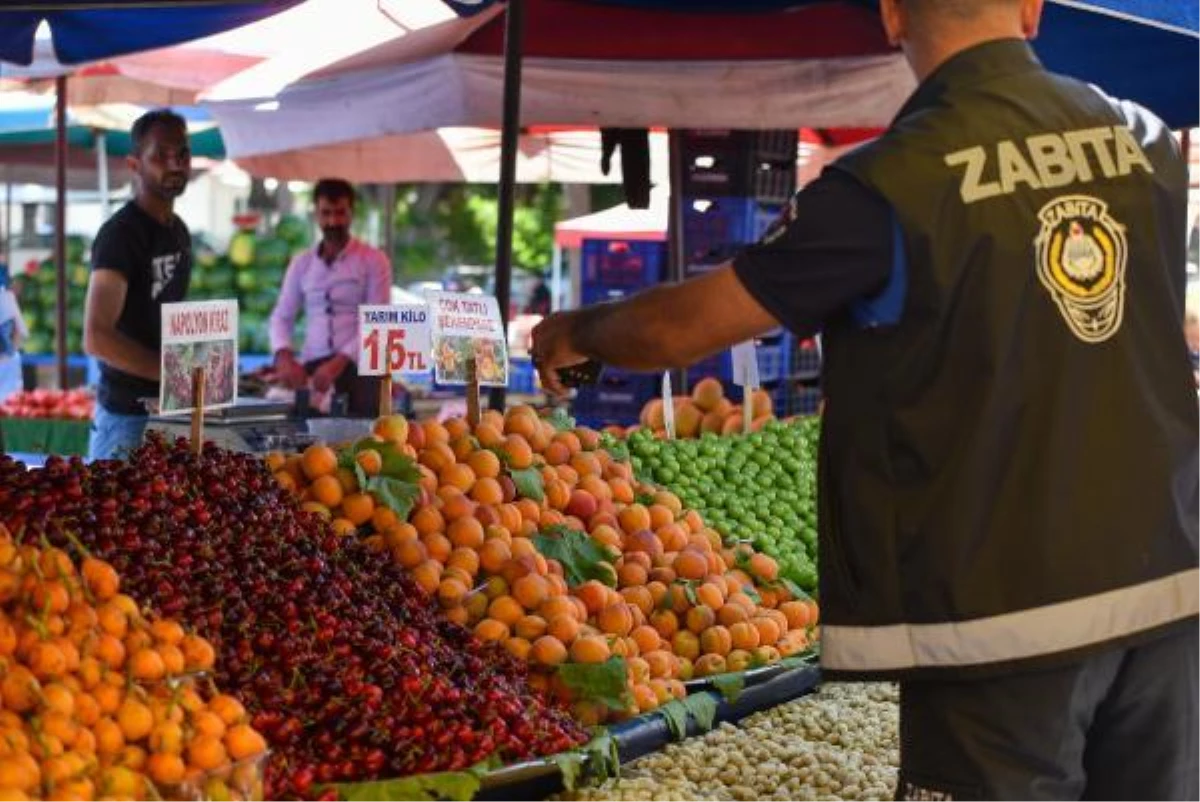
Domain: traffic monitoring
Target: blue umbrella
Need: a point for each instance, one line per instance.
(87, 30)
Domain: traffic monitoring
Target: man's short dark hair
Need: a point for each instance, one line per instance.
(955, 9)
(142, 127)
(333, 189)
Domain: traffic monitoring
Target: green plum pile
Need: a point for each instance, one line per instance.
(759, 488)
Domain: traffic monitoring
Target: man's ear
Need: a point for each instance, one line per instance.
(895, 21)
(132, 163)
(1031, 16)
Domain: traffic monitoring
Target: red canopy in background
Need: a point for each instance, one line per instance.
(587, 30)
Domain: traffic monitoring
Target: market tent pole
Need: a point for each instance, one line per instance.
(389, 226)
(676, 257)
(556, 278)
(60, 222)
(8, 235)
(102, 171)
(514, 25)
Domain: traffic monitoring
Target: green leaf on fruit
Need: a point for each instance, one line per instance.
(399, 496)
(794, 589)
(752, 592)
(529, 483)
(598, 682)
(689, 590)
(581, 557)
(569, 764)
(603, 756)
(560, 420)
(676, 717)
(703, 708)
(453, 785)
(729, 685)
(396, 463)
(346, 458)
(645, 499)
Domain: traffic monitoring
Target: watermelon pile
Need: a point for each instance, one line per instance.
(252, 271)
(37, 294)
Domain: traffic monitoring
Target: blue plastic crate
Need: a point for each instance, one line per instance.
(710, 224)
(623, 263)
(522, 377)
(806, 359)
(774, 360)
(597, 294)
(805, 401)
(617, 398)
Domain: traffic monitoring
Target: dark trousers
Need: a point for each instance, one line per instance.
(1118, 725)
(361, 392)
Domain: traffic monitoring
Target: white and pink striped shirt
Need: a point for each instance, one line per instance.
(329, 295)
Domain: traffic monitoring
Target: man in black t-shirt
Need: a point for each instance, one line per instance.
(141, 259)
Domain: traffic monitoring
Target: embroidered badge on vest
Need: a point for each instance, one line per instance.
(1081, 254)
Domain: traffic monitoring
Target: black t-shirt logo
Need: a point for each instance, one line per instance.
(163, 268)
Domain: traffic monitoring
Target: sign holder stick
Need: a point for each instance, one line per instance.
(472, 393)
(747, 406)
(385, 395)
(197, 410)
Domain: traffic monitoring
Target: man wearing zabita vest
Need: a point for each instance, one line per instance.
(1008, 471)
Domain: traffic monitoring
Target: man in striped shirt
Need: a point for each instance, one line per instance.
(328, 283)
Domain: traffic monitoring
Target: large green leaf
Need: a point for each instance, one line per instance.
(698, 707)
(676, 717)
(598, 682)
(730, 685)
(529, 483)
(603, 756)
(569, 764)
(581, 557)
(560, 420)
(703, 709)
(794, 589)
(398, 495)
(396, 463)
(453, 785)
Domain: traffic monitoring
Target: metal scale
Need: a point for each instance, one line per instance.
(253, 425)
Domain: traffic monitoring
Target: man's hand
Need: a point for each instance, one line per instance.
(553, 348)
(325, 376)
(289, 371)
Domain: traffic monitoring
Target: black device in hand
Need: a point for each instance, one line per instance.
(581, 375)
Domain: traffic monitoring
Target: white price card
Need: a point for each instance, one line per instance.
(393, 339)
(745, 364)
(464, 326)
(199, 334)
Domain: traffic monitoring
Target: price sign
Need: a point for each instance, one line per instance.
(745, 365)
(467, 326)
(393, 339)
(199, 334)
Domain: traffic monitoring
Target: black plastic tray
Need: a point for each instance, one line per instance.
(771, 686)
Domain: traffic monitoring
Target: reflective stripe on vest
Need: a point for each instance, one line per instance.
(1034, 632)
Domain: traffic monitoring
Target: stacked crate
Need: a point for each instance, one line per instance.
(611, 270)
(736, 184)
